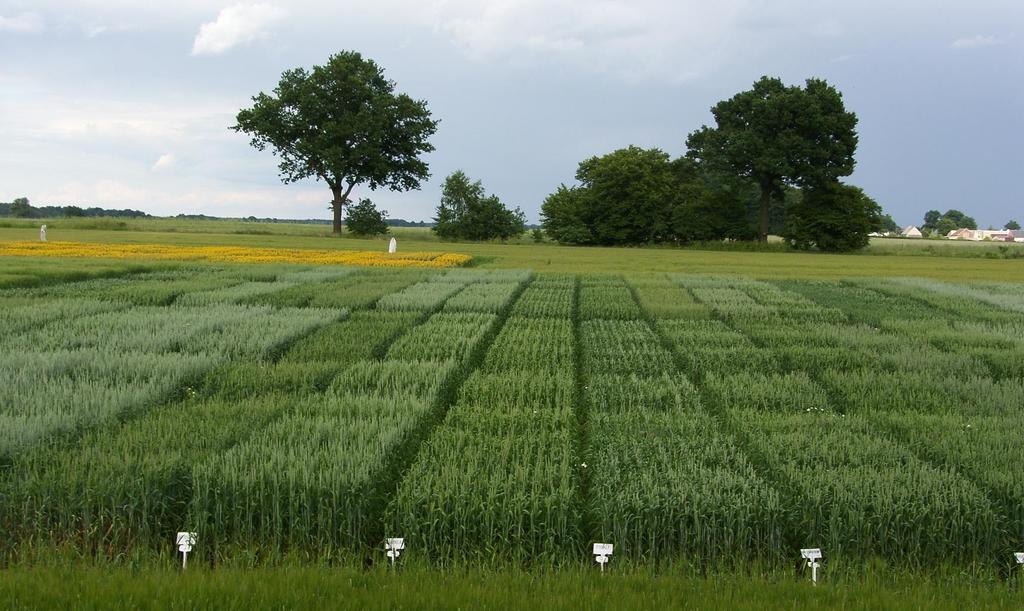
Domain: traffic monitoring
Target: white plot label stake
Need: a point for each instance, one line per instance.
(601, 553)
(185, 541)
(812, 555)
(394, 549)
(393, 246)
(42, 233)
(1019, 556)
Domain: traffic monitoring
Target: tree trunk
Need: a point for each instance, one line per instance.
(766, 204)
(338, 204)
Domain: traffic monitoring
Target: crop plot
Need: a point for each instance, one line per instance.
(510, 417)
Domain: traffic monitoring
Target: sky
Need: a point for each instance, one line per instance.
(128, 104)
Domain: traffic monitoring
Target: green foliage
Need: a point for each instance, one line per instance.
(623, 198)
(888, 225)
(563, 216)
(1012, 225)
(364, 219)
(466, 212)
(941, 224)
(775, 135)
(342, 123)
(709, 207)
(626, 193)
(636, 196)
(833, 218)
(20, 208)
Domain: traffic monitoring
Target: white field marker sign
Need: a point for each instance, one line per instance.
(393, 246)
(1019, 556)
(394, 549)
(185, 541)
(601, 553)
(42, 233)
(812, 555)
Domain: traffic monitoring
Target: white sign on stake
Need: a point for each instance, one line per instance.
(601, 553)
(185, 541)
(394, 548)
(42, 233)
(393, 246)
(1019, 556)
(812, 555)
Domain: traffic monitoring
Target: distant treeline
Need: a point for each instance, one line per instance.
(253, 219)
(21, 208)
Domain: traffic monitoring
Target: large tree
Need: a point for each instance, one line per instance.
(638, 196)
(708, 207)
(364, 219)
(342, 123)
(20, 208)
(629, 191)
(776, 135)
(941, 224)
(562, 215)
(466, 212)
(832, 217)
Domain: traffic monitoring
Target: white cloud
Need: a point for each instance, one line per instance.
(828, 28)
(632, 39)
(25, 22)
(236, 24)
(169, 198)
(165, 161)
(973, 42)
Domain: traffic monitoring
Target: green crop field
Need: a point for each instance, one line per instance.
(502, 420)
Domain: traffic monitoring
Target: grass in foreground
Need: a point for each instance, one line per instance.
(332, 588)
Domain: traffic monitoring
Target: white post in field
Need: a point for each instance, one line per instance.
(42, 233)
(393, 246)
(394, 548)
(185, 541)
(601, 553)
(812, 555)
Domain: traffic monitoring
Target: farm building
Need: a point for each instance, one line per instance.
(911, 232)
(977, 235)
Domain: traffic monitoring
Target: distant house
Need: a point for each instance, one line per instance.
(961, 234)
(1018, 235)
(977, 235)
(911, 232)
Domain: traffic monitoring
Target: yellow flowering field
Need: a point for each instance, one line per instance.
(232, 254)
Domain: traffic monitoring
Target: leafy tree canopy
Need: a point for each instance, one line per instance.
(833, 217)
(636, 196)
(626, 194)
(466, 212)
(20, 208)
(342, 123)
(889, 225)
(363, 219)
(1012, 225)
(941, 224)
(776, 135)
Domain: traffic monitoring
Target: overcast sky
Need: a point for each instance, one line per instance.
(127, 104)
